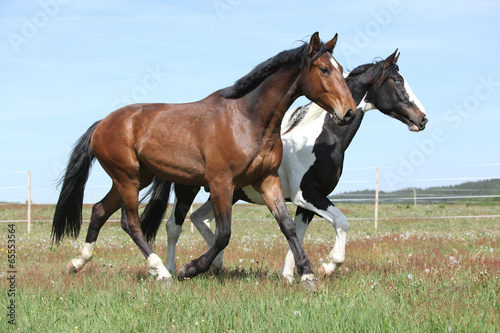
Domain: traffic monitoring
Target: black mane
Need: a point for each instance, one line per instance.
(363, 68)
(287, 58)
(358, 70)
(299, 113)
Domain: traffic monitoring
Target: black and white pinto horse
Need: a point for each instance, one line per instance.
(313, 158)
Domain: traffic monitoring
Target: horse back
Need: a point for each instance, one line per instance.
(184, 143)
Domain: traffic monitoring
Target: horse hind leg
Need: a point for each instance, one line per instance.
(184, 197)
(338, 220)
(337, 256)
(130, 222)
(302, 219)
(101, 212)
(174, 230)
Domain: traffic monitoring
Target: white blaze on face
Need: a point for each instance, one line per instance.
(412, 96)
(335, 63)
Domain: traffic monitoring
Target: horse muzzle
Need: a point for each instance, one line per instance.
(418, 127)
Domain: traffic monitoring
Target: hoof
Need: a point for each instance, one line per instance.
(166, 280)
(288, 279)
(310, 282)
(71, 269)
(73, 266)
(214, 270)
(183, 273)
(328, 269)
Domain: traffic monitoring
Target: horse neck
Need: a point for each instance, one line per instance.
(268, 103)
(350, 130)
(359, 87)
(343, 135)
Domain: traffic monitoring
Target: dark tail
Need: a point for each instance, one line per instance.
(68, 215)
(153, 214)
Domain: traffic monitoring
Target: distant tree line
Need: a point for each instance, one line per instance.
(437, 194)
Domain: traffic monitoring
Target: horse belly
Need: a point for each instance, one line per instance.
(177, 169)
(249, 194)
(174, 158)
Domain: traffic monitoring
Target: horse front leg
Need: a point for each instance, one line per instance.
(201, 219)
(272, 193)
(222, 199)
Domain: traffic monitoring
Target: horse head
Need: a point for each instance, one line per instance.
(392, 95)
(323, 82)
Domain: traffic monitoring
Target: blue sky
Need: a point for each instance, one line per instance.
(66, 64)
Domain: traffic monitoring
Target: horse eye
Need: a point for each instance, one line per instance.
(398, 82)
(324, 70)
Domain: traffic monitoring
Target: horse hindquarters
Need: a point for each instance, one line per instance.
(119, 159)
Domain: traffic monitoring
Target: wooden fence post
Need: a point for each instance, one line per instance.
(415, 197)
(376, 198)
(29, 201)
(191, 212)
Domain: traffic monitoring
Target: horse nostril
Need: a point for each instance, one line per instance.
(349, 115)
(424, 120)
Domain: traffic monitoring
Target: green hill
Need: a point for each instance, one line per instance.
(477, 192)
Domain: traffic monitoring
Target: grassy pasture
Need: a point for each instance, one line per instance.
(412, 275)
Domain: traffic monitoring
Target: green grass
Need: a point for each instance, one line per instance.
(420, 275)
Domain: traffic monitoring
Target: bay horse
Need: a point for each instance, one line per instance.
(226, 141)
(313, 157)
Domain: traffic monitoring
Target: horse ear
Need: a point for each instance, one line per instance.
(397, 57)
(314, 44)
(391, 59)
(331, 44)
